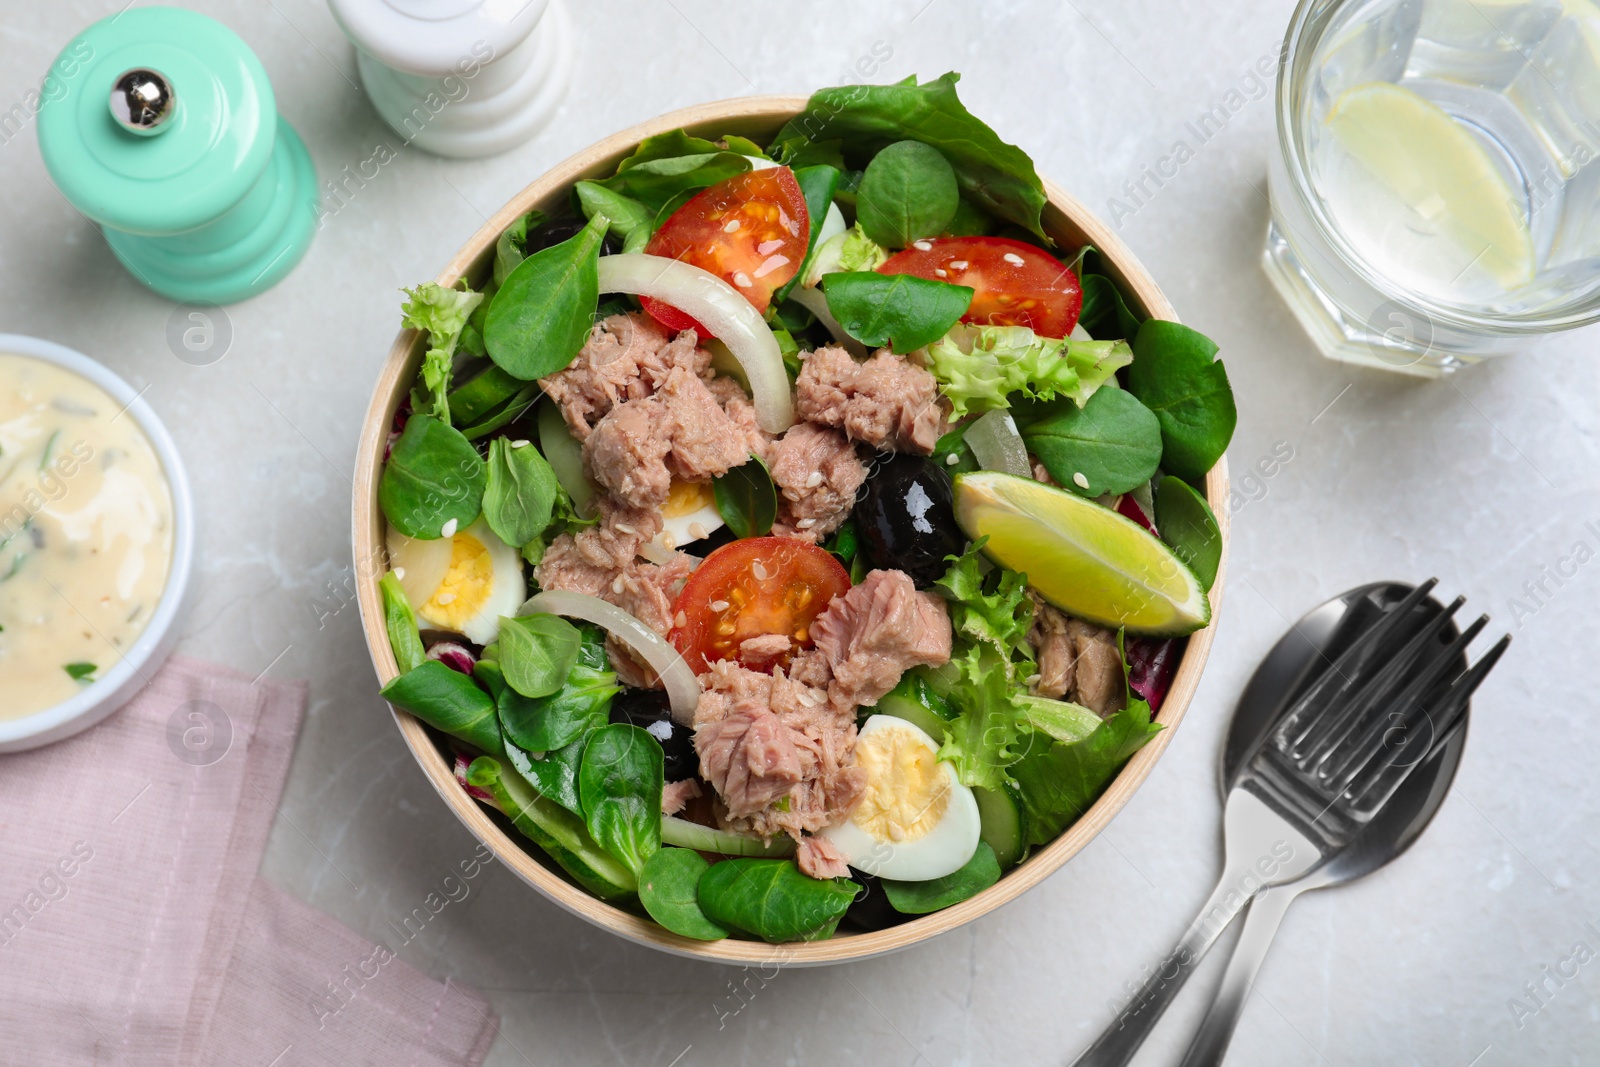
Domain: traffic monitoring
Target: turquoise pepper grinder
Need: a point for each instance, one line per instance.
(169, 138)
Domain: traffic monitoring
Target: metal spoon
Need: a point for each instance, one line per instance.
(1297, 659)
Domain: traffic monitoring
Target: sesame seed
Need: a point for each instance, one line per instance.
(1032, 679)
(668, 542)
(719, 605)
(922, 246)
(813, 479)
(616, 585)
(742, 280)
(1079, 480)
(759, 571)
(951, 460)
(520, 444)
(809, 699)
(731, 227)
(697, 531)
(958, 264)
(400, 573)
(1013, 259)
(805, 524)
(448, 529)
(445, 598)
(680, 620)
(624, 528)
(941, 272)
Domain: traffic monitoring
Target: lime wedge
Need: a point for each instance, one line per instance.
(1085, 559)
(1446, 184)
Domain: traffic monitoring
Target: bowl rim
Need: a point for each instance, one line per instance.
(118, 685)
(1067, 217)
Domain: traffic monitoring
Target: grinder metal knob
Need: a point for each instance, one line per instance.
(142, 101)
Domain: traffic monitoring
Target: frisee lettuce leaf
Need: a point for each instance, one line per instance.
(1001, 616)
(443, 313)
(981, 741)
(851, 250)
(978, 367)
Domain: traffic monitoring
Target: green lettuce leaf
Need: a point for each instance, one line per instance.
(863, 119)
(979, 366)
(1059, 780)
(443, 313)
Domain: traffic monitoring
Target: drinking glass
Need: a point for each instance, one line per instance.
(1436, 188)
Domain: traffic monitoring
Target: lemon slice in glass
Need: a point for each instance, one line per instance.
(1085, 559)
(1434, 204)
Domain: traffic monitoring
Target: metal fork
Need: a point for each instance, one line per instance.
(1318, 778)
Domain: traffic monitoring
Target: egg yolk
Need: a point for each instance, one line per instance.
(907, 790)
(685, 498)
(466, 585)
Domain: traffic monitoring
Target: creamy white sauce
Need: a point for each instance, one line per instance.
(85, 533)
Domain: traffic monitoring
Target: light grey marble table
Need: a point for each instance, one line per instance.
(1488, 480)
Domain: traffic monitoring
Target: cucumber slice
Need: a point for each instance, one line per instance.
(554, 829)
(915, 701)
(1002, 826)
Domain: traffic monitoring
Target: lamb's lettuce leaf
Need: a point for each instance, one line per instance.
(771, 899)
(1105, 314)
(899, 310)
(541, 316)
(1176, 374)
(919, 898)
(620, 784)
(860, 120)
(671, 163)
(631, 221)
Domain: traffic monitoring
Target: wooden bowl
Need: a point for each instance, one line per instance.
(1071, 224)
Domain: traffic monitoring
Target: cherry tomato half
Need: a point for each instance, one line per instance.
(750, 230)
(752, 588)
(1014, 283)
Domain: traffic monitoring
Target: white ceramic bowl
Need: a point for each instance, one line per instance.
(117, 685)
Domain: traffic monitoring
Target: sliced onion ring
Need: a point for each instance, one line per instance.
(997, 445)
(683, 689)
(725, 312)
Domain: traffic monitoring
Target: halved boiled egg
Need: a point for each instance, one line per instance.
(915, 820)
(690, 514)
(462, 583)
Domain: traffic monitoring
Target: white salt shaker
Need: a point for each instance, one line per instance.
(463, 78)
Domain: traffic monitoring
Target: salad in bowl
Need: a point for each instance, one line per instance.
(784, 533)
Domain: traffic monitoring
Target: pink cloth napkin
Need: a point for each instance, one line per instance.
(134, 929)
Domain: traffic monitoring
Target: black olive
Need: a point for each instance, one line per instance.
(871, 909)
(650, 710)
(554, 231)
(906, 518)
